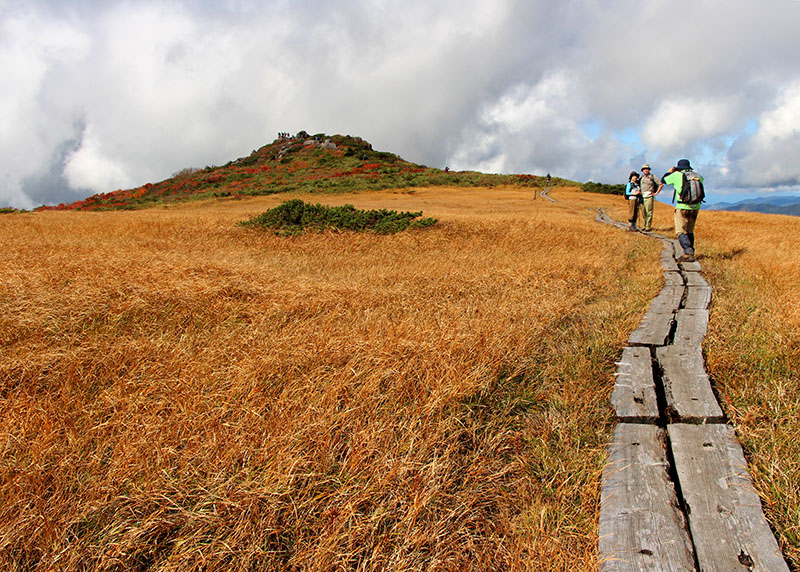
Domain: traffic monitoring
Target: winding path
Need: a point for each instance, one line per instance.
(676, 493)
(545, 195)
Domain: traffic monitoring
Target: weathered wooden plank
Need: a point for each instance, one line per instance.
(673, 278)
(698, 298)
(695, 279)
(669, 299)
(634, 395)
(728, 526)
(691, 266)
(641, 526)
(653, 330)
(691, 328)
(668, 262)
(604, 218)
(687, 389)
(656, 324)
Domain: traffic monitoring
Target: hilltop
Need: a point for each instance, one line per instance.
(296, 163)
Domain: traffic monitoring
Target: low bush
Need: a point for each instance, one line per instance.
(592, 187)
(295, 216)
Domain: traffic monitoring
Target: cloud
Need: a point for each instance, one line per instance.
(108, 94)
(35, 122)
(768, 157)
(676, 124)
(88, 167)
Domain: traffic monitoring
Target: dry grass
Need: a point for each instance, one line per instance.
(177, 393)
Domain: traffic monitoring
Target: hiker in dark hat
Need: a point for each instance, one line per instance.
(633, 193)
(689, 195)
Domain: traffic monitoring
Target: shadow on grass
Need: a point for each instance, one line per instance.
(728, 255)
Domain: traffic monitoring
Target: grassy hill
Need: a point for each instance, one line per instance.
(302, 163)
(180, 392)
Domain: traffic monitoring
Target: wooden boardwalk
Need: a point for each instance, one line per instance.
(676, 493)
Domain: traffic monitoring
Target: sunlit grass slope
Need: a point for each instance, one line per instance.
(180, 393)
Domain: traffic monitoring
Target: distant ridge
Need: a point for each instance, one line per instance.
(296, 163)
(769, 205)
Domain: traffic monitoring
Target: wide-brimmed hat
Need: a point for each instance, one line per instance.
(645, 166)
(632, 174)
(683, 165)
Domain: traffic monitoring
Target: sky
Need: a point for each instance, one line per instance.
(103, 95)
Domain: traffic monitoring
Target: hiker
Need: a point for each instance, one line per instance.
(633, 193)
(689, 195)
(650, 187)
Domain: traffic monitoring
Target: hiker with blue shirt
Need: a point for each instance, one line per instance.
(633, 194)
(689, 195)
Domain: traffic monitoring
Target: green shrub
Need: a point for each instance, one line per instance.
(295, 216)
(592, 187)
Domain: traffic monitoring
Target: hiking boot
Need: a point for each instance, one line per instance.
(686, 258)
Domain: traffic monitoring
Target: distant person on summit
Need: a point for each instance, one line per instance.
(689, 195)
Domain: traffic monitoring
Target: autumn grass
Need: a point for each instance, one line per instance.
(180, 393)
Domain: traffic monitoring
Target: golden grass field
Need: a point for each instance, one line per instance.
(179, 393)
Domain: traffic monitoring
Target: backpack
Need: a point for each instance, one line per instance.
(692, 191)
(631, 187)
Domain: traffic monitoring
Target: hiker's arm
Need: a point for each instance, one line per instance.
(663, 182)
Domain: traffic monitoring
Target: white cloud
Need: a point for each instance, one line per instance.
(538, 129)
(34, 121)
(782, 122)
(523, 107)
(677, 123)
(768, 158)
(137, 91)
(90, 168)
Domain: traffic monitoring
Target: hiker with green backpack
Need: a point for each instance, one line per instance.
(688, 196)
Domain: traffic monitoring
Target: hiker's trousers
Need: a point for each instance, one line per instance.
(633, 210)
(647, 212)
(685, 220)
